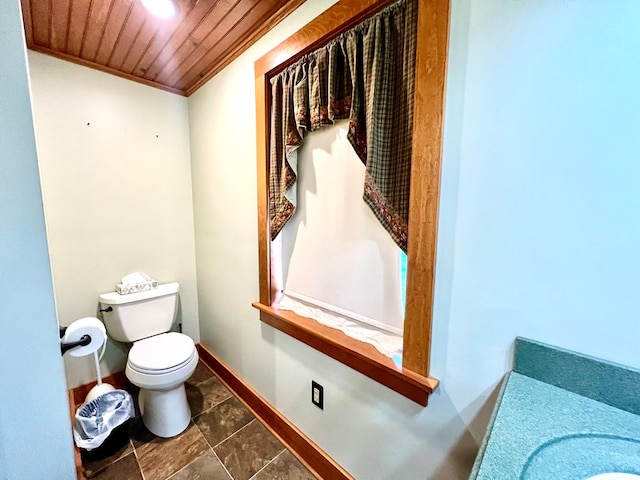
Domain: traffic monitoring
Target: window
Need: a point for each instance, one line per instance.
(335, 253)
(412, 379)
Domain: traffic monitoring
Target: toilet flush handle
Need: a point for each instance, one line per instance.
(108, 309)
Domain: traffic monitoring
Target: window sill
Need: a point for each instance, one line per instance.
(360, 356)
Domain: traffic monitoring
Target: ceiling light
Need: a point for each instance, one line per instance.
(161, 8)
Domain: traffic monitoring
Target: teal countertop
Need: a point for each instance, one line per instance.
(566, 424)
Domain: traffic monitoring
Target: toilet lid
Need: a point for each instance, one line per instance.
(161, 352)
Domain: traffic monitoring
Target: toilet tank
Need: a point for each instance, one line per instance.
(140, 315)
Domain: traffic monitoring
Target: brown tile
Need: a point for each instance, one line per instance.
(205, 395)
(138, 432)
(201, 374)
(248, 450)
(124, 469)
(222, 420)
(161, 457)
(205, 467)
(92, 463)
(284, 467)
(116, 446)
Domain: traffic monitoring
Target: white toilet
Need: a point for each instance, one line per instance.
(159, 362)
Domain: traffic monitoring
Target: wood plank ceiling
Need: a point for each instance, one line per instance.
(121, 37)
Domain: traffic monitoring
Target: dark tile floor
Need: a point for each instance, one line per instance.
(224, 441)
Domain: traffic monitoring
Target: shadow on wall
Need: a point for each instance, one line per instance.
(483, 407)
(461, 454)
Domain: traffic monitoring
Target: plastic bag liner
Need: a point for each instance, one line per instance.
(97, 419)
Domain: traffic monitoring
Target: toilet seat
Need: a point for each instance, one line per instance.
(162, 398)
(161, 354)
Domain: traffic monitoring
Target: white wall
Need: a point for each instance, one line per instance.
(34, 415)
(116, 181)
(538, 233)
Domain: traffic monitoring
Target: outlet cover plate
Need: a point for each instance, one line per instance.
(317, 395)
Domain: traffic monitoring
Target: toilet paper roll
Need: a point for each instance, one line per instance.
(85, 326)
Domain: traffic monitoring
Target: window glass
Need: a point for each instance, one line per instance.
(335, 252)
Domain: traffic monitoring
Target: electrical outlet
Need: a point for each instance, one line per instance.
(317, 395)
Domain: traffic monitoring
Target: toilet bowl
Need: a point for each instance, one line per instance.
(159, 361)
(160, 365)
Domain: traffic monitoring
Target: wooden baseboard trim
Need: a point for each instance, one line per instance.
(310, 454)
(76, 453)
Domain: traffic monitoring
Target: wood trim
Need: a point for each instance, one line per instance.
(105, 69)
(264, 238)
(121, 9)
(309, 454)
(181, 53)
(78, 15)
(144, 38)
(76, 452)
(334, 21)
(360, 356)
(60, 10)
(207, 35)
(433, 24)
(127, 36)
(240, 47)
(99, 13)
(41, 30)
(27, 20)
(157, 56)
(431, 59)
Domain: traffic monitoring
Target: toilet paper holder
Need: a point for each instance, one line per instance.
(65, 346)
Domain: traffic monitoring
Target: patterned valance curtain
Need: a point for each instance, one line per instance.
(366, 75)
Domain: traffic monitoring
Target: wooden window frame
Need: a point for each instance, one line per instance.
(412, 379)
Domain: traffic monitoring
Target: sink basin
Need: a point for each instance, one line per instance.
(585, 456)
(615, 476)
